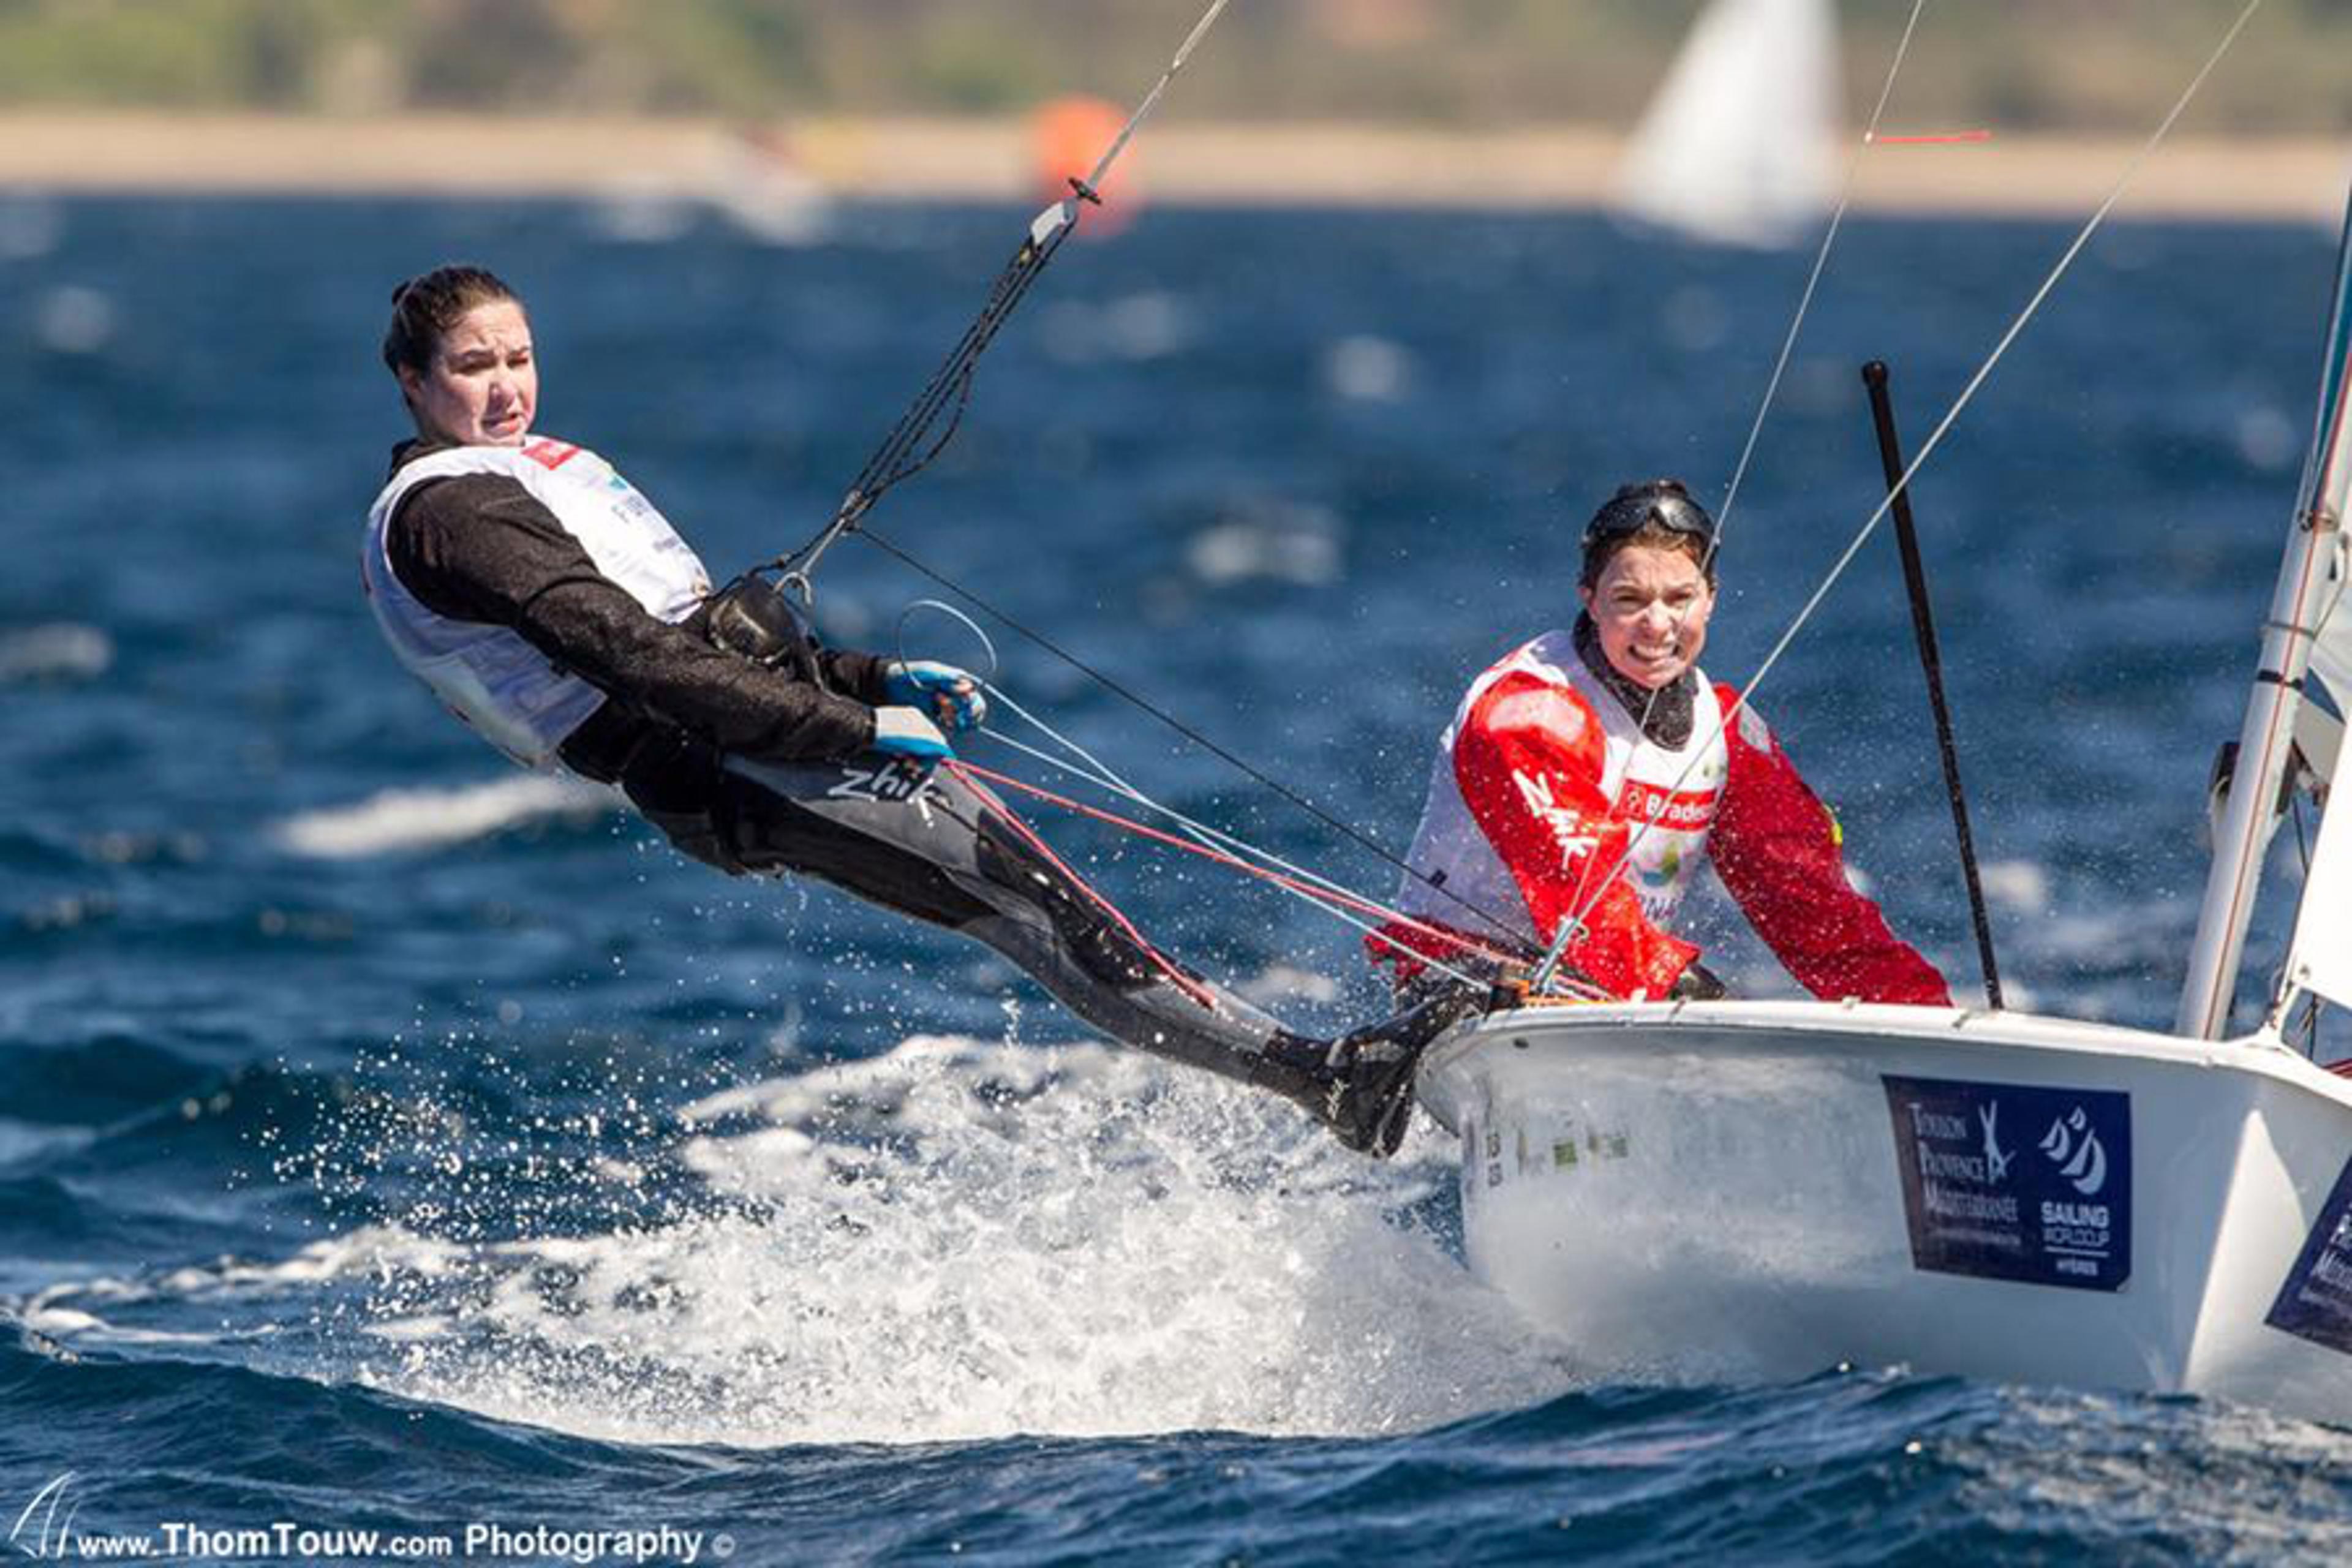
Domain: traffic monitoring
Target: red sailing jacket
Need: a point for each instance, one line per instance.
(1540, 786)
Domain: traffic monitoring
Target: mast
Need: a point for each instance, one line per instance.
(2297, 605)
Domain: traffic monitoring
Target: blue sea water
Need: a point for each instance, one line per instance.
(390, 1141)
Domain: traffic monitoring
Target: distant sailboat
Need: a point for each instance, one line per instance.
(1738, 146)
(750, 178)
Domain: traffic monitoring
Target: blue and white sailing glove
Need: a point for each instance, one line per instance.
(951, 696)
(905, 733)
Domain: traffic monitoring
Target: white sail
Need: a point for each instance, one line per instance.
(2304, 631)
(2331, 652)
(1738, 146)
(2320, 959)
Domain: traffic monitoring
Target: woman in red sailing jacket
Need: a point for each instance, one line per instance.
(1588, 773)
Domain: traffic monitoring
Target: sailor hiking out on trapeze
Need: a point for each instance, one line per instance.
(550, 605)
(1588, 773)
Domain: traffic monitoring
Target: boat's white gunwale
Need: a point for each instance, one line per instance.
(1703, 1025)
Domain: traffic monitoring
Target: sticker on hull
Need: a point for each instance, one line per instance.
(2009, 1182)
(2315, 1302)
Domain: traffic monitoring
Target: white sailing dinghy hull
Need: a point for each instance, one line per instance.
(1733, 1191)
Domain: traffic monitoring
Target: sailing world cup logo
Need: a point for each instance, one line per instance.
(1980, 1201)
(2073, 1146)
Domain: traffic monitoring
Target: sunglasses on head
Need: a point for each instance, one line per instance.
(1663, 502)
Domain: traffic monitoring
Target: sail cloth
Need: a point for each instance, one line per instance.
(1738, 146)
(2321, 958)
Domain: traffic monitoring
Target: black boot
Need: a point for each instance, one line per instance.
(1360, 1085)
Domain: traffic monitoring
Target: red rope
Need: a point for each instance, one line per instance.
(1176, 976)
(1346, 901)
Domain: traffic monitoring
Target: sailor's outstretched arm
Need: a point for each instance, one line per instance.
(481, 548)
(1529, 762)
(1777, 850)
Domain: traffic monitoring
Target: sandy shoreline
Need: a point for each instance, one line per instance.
(915, 159)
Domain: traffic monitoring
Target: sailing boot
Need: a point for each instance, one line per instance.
(1360, 1085)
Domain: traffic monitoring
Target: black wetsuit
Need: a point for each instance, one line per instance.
(749, 767)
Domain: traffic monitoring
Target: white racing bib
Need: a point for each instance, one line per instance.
(1675, 789)
(489, 676)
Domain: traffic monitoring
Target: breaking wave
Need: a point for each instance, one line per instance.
(956, 1241)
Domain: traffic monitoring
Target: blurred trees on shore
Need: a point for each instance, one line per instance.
(2083, 65)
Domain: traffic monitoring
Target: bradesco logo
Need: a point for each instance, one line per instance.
(1980, 1201)
(1685, 811)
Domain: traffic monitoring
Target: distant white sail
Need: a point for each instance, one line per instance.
(1738, 146)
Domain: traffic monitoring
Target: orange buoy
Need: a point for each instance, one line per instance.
(1068, 136)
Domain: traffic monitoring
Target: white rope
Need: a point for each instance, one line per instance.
(1967, 394)
(1337, 912)
(953, 614)
(1812, 281)
(1984, 371)
(1095, 772)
